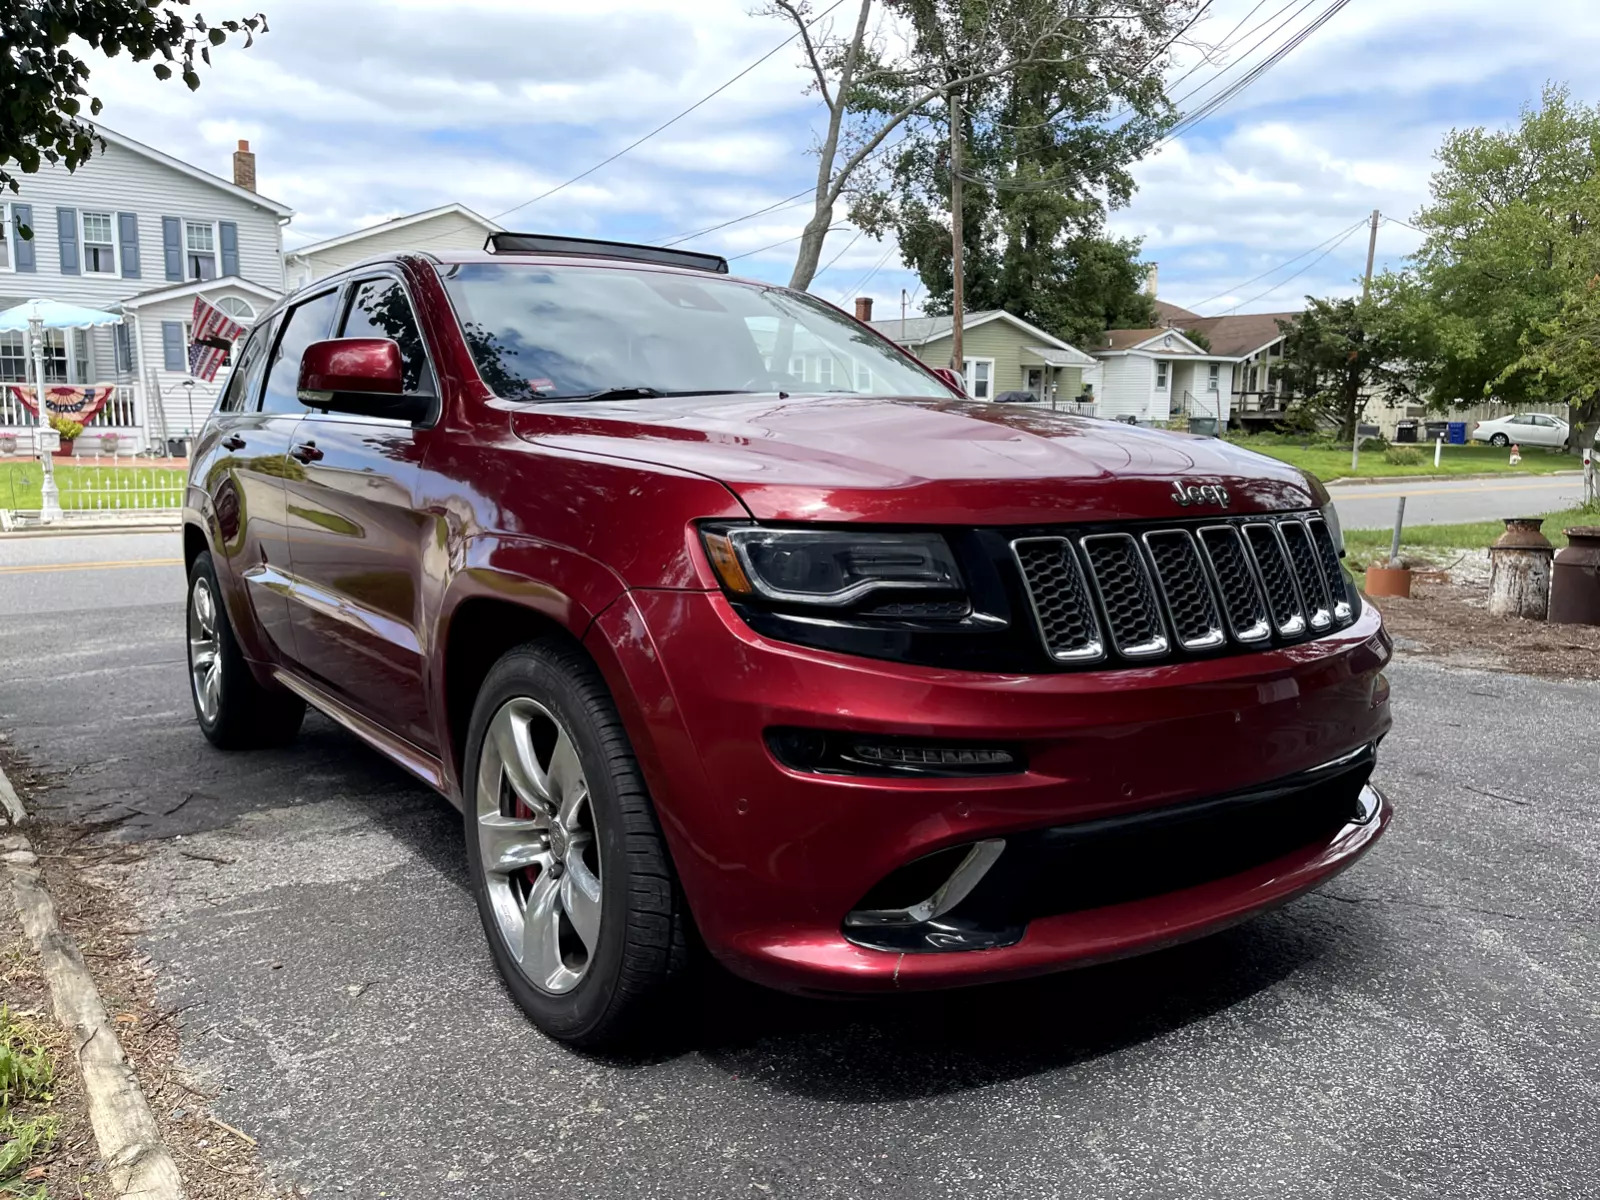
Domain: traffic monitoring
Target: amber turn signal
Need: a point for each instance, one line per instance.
(726, 564)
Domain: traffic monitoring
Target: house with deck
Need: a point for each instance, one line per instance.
(138, 232)
(1158, 375)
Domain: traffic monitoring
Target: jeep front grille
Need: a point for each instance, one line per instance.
(1183, 589)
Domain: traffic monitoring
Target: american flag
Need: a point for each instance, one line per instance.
(213, 334)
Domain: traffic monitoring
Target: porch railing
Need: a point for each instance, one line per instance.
(120, 412)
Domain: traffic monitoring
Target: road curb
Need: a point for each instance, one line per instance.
(125, 1129)
(155, 525)
(1363, 480)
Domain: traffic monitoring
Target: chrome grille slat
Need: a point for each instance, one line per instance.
(1328, 556)
(1186, 589)
(1062, 610)
(1307, 573)
(1127, 595)
(1225, 553)
(1272, 563)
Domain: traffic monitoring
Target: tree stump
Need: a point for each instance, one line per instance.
(1519, 571)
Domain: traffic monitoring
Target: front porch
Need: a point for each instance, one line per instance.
(122, 428)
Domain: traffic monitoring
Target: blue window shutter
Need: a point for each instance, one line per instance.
(128, 237)
(67, 231)
(172, 353)
(228, 239)
(124, 350)
(23, 256)
(172, 246)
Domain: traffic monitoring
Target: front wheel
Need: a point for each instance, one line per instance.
(574, 885)
(234, 710)
(1500, 440)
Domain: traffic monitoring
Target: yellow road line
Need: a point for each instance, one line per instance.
(35, 568)
(1362, 493)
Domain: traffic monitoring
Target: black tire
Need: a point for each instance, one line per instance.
(642, 950)
(246, 716)
(1499, 439)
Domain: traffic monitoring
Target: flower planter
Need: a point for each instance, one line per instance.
(1388, 581)
(66, 448)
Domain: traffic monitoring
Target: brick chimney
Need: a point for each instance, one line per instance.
(244, 167)
(863, 308)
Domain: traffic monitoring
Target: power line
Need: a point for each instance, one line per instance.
(867, 278)
(672, 121)
(1232, 288)
(775, 206)
(841, 253)
(775, 245)
(1285, 282)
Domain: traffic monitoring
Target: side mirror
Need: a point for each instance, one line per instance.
(953, 381)
(362, 376)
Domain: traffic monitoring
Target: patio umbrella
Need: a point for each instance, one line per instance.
(55, 315)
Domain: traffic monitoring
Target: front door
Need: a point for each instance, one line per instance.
(358, 539)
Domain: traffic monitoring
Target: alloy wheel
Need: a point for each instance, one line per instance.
(205, 650)
(538, 844)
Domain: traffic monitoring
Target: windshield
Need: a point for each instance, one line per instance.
(561, 332)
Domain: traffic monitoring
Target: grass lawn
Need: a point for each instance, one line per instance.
(1333, 462)
(1441, 543)
(92, 487)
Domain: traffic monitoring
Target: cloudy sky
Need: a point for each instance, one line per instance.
(361, 110)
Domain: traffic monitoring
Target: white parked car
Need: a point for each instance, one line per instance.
(1523, 429)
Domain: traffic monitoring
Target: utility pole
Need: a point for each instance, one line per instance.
(957, 298)
(1366, 290)
(904, 299)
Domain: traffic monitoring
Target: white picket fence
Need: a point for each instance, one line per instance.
(103, 485)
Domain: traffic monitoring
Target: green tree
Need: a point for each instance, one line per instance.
(1511, 244)
(42, 79)
(1336, 355)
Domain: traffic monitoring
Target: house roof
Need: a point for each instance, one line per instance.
(391, 225)
(918, 331)
(177, 164)
(1070, 357)
(1238, 336)
(1172, 315)
(1171, 341)
(177, 291)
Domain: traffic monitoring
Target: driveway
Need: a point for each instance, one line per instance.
(1424, 1026)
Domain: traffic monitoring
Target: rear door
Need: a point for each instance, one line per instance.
(1548, 430)
(358, 538)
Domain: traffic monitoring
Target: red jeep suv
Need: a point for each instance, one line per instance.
(723, 620)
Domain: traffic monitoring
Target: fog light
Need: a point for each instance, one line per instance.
(833, 753)
(891, 755)
(1380, 690)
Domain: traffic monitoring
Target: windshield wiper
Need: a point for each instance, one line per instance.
(643, 392)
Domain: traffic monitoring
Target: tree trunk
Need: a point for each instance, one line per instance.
(1519, 582)
(805, 262)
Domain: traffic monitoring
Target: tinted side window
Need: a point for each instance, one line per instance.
(379, 309)
(240, 393)
(304, 324)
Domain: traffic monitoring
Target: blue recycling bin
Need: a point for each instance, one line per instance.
(1457, 435)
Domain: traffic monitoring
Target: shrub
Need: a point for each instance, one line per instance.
(1402, 456)
(68, 429)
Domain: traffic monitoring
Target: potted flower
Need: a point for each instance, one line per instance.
(109, 442)
(69, 431)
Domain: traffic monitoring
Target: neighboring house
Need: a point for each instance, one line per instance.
(1002, 353)
(138, 232)
(451, 227)
(1157, 375)
(1254, 340)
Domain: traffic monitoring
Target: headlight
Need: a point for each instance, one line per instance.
(833, 568)
(1330, 514)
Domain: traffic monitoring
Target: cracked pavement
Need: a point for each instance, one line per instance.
(1426, 1025)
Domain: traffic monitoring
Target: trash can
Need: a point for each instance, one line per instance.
(1458, 433)
(1204, 426)
(1436, 429)
(1405, 431)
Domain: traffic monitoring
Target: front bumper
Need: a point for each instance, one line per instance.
(773, 860)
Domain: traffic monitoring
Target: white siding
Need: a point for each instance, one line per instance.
(1126, 384)
(120, 180)
(447, 231)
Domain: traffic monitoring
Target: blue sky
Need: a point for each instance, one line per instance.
(367, 109)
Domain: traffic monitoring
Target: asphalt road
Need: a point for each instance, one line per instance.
(1446, 501)
(1424, 1026)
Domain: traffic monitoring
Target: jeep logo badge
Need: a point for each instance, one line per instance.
(1199, 493)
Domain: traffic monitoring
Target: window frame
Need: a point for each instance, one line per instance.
(7, 231)
(350, 289)
(216, 250)
(1214, 377)
(83, 242)
(267, 331)
(1163, 375)
(969, 370)
(284, 318)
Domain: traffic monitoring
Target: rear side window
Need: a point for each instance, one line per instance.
(380, 309)
(240, 393)
(304, 324)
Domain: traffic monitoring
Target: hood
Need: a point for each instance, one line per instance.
(867, 458)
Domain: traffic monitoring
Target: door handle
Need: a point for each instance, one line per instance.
(233, 442)
(306, 452)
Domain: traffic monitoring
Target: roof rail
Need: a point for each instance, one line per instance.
(542, 243)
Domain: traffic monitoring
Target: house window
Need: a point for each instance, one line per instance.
(1161, 375)
(825, 372)
(200, 250)
(797, 369)
(980, 378)
(14, 366)
(1213, 377)
(239, 310)
(99, 246)
(5, 237)
(863, 377)
(1250, 380)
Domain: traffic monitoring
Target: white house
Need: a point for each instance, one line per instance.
(450, 227)
(1157, 375)
(138, 232)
